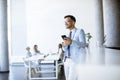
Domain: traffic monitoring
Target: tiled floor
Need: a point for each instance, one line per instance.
(96, 64)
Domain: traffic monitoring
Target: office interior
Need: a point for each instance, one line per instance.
(27, 22)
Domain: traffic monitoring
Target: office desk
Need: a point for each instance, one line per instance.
(54, 57)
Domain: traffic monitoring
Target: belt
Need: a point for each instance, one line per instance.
(66, 57)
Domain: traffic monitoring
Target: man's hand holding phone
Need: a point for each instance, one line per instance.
(64, 37)
(66, 40)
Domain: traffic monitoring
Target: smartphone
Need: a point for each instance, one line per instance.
(63, 36)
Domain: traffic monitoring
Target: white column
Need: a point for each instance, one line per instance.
(99, 22)
(112, 23)
(4, 62)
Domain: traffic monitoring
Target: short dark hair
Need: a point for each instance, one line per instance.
(71, 16)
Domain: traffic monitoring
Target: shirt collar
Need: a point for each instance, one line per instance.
(73, 30)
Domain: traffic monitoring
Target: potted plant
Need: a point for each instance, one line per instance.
(88, 37)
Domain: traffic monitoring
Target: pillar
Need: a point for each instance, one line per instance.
(112, 23)
(99, 22)
(4, 61)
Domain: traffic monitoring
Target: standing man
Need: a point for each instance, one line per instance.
(73, 43)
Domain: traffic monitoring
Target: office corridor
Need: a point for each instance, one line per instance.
(97, 64)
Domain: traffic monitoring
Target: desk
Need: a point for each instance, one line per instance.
(48, 58)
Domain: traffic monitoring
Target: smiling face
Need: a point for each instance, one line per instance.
(69, 22)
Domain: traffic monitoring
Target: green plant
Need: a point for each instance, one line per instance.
(104, 38)
(88, 36)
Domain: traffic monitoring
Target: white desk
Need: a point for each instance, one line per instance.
(48, 58)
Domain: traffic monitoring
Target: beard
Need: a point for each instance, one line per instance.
(68, 27)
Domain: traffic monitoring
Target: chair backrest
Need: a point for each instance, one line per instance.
(59, 64)
(32, 63)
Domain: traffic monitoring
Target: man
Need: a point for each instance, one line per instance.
(73, 43)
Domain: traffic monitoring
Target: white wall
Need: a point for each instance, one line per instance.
(18, 27)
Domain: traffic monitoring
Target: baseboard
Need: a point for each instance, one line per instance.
(118, 48)
(4, 71)
(17, 64)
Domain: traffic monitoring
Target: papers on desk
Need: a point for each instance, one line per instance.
(52, 57)
(35, 57)
(43, 57)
